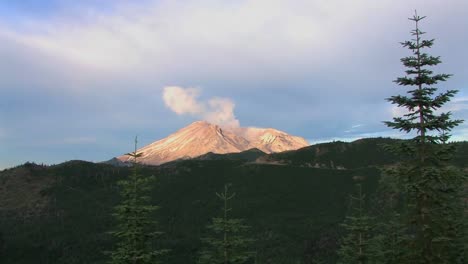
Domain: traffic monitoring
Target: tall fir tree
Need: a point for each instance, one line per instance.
(135, 231)
(389, 229)
(433, 189)
(227, 243)
(355, 248)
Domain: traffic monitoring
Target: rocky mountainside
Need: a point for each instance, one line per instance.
(270, 140)
(202, 137)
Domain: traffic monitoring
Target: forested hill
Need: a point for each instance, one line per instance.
(63, 213)
(356, 154)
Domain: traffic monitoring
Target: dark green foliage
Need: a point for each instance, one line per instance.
(2, 246)
(355, 246)
(389, 231)
(294, 212)
(432, 188)
(227, 243)
(248, 155)
(421, 102)
(135, 226)
(71, 228)
(339, 155)
(286, 207)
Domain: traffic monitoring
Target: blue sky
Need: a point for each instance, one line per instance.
(79, 79)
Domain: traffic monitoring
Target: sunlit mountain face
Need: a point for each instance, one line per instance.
(202, 137)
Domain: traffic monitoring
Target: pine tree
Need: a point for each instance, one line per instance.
(389, 229)
(355, 248)
(432, 188)
(227, 243)
(135, 230)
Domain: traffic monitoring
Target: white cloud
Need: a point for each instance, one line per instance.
(456, 104)
(213, 39)
(221, 111)
(105, 65)
(159, 34)
(216, 110)
(353, 128)
(182, 101)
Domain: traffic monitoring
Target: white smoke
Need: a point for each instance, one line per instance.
(182, 101)
(217, 110)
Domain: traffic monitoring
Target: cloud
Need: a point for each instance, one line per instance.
(246, 41)
(156, 33)
(182, 101)
(313, 68)
(221, 111)
(353, 128)
(457, 104)
(216, 110)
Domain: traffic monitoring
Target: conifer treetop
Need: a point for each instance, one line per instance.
(422, 102)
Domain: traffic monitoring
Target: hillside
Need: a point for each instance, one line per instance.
(250, 155)
(349, 155)
(62, 213)
(287, 207)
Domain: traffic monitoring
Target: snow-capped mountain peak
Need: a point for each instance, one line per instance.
(202, 137)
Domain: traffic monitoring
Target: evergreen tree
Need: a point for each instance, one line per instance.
(389, 235)
(432, 188)
(135, 230)
(355, 248)
(227, 243)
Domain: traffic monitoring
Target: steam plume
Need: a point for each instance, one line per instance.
(216, 110)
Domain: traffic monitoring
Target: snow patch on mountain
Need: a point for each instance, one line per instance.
(202, 137)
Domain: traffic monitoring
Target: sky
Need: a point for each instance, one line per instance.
(80, 79)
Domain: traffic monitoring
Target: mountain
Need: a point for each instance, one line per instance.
(201, 137)
(270, 140)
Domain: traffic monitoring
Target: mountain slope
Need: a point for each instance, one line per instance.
(202, 137)
(248, 155)
(350, 155)
(270, 140)
(337, 155)
(62, 213)
(286, 206)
